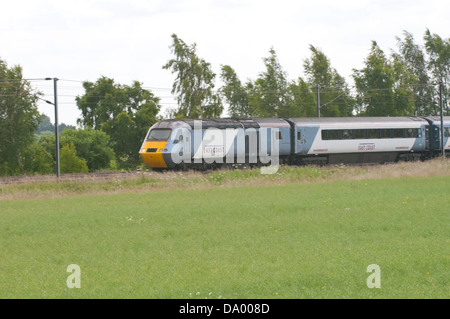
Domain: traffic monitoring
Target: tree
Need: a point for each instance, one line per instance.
(70, 163)
(46, 126)
(38, 160)
(438, 50)
(19, 118)
(234, 93)
(302, 101)
(383, 86)
(335, 98)
(414, 58)
(93, 146)
(269, 93)
(106, 105)
(194, 82)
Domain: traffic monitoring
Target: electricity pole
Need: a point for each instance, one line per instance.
(441, 89)
(55, 93)
(318, 100)
(55, 103)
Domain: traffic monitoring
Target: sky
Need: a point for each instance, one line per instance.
(129, 40)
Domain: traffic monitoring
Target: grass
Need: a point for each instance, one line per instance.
(35, 187)
(281, 239)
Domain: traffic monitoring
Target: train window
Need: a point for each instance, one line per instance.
(359, 134)
(278, 135)
(159, 135)
(373, 133)
(332, 134)
(399, 133)
(446, 131)
(299, 135)
(347, 134)
(385, 133)
(412, 133)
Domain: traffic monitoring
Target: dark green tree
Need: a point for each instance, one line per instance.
(383, 87)
(438, 50)
(19, 118)
(70, 162)
(268, 95)
(414, 58)
(335, 97)
(234, 93)
(194, 82)
(91, 145)
(46, 126)
(302, 101)
(106, 105)
(38, 160)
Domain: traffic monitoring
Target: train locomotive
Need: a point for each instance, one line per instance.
(210, 143)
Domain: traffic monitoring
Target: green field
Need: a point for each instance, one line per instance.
(312, 240)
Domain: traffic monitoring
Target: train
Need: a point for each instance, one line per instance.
(229, 142)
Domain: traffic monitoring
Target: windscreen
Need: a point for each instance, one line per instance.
(159, 135)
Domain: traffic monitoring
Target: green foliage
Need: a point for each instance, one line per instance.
(303, 101)
(45, 125)
(194, 82)
(235, 93)
(438, 50)
(123, 135)
(269, 91)
(335, 98)
(382, 86)
(91, 145)
(412, 56)
(123, 112)
(38, 160)
(70, 163)
(19, 118)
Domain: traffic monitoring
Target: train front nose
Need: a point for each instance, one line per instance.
(152, 154)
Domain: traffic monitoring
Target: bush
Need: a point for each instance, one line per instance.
(70, 163)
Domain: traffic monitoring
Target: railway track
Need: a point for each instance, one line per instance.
(17, 180)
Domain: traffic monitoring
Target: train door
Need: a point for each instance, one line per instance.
(187, 142)
(300, 141)
(435, 137)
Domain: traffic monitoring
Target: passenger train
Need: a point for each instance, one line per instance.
(209, 143)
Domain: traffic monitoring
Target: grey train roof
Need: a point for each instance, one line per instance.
(355, 120)
(220, 123)
(223, 123)
(436, 120)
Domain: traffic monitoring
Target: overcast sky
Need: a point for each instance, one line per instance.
(129, 40)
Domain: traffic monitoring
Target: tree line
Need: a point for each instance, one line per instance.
(115, 117)
(404, 82)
